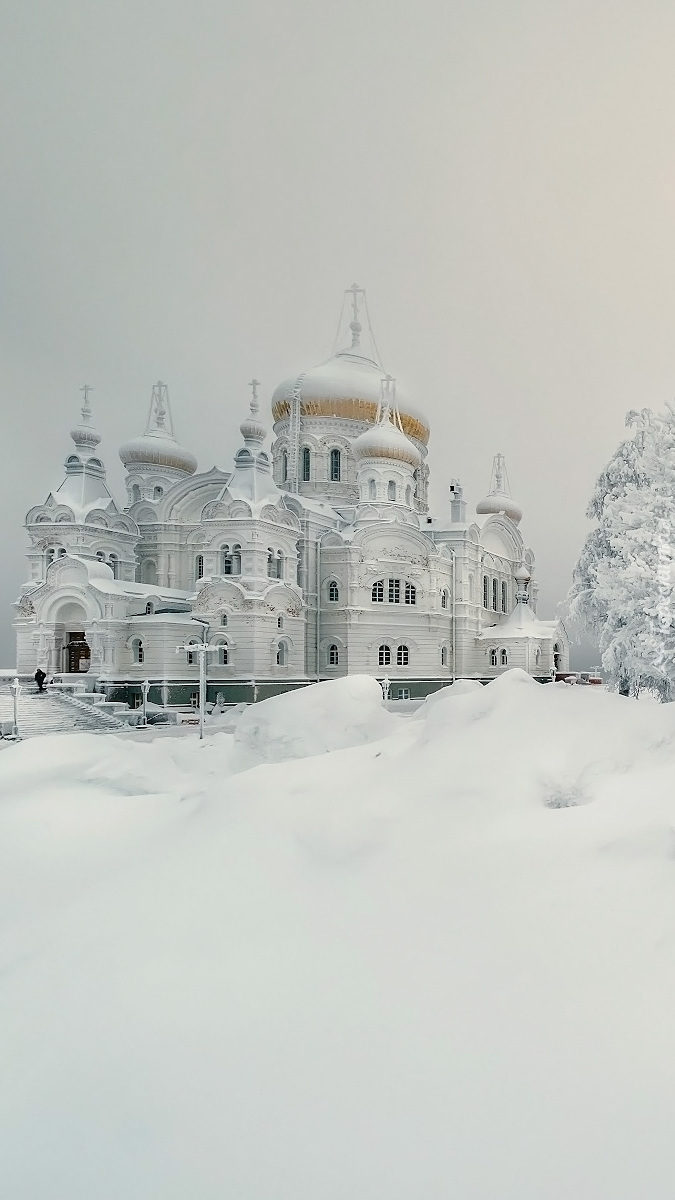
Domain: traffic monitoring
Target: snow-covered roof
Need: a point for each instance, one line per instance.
(521, 623)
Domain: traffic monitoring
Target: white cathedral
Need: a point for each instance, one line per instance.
(315, 560)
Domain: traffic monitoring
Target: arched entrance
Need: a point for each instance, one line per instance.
(70, 633)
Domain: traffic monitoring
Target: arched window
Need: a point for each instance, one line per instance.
(137, 647)
(410, 593)
(402, 656)
(50, 556)
(444, 656)
(149, 608)
(505, 597)
(225, 560)
(384, 656)
(471, 589)
(271, 563)
(503, 658)
(279, 565)
(282, 654)
(61, 553)
(280, 622)
(100, 556)
(135, 494)
(333, 656)
(377, 594)
(306, 464)
(223, 618)
(284, 466)
(494, 594)
(486, 592)
(149, 571)
(335, 466)
(493, 658)
(372, 489)
(556, 656)
(408, 495)
(113, 562)
(223, 656)
(236, 559)
(191, 655)
(444, 598)
(199, 566)
(158, 493)
(333, 592)
(537, 656)
(391, 490)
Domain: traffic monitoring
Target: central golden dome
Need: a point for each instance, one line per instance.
(349, 386)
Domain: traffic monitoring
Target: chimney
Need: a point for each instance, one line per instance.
(457, 503)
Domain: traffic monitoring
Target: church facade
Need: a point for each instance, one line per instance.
(317, 559)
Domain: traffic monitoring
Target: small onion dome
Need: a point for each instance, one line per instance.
(252, 430)
(386, 441)
(85, 437)
(158, 449)
(522, 575)
(499, 502)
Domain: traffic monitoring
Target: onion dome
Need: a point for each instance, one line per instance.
(522, 575)
(252, 429)
(157, 447)
(386, 440)
(499, 499)
(84, 435)
(347, 385)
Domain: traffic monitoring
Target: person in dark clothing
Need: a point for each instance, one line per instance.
(40, 677)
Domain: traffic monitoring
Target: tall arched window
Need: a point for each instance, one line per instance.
(444, 656)
(493, 658)
(191, 656)
(223, 618)
(503, 658)
(333, 592)
(282, 654)
(280, 622)
(279, 565)
(225, 560)
(223, 655)
(135, 494)
(410, 593)
(271, 563)
(486, 592)
(402, 656)
(306, 464)
(537, 656)
(50, 555)
(377, 594)
(505, 597)
(113, 562)
(284, 466)
(199, 566)
(333, 656)
(391, 490)
(444, 598)
(384, 656)
(494, 594)
(372, 489)
(408, 495)
(137, 647)
(236, 559)
(149, 608)
(335, 466)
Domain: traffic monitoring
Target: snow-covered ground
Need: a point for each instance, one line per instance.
(344, 954)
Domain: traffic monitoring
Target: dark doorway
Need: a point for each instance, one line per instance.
(78, 654)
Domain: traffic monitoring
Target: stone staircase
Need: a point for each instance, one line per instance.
(54, 711)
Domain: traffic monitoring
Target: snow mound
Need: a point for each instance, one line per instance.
(314, 720)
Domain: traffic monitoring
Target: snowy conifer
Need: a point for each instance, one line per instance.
(622, 590)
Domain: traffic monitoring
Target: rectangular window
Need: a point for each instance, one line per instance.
(394, 591)
(306, 464)
(403, 694)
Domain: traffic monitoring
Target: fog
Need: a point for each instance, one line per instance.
(189, 188)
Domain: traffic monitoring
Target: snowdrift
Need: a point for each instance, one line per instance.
(341, 953)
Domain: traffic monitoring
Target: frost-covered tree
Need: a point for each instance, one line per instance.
(622, 590)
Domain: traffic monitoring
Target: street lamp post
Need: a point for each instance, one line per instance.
(202, 649)
(15, 689)
(146, 688)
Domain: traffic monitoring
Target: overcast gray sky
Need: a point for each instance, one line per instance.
(187, 189)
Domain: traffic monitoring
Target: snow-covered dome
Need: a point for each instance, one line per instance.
(384, 440)
(348, 385)
(522, 574)
(498, 499)
(158, 447)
